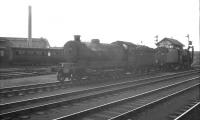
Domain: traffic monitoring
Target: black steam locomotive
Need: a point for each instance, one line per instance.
(96, 60)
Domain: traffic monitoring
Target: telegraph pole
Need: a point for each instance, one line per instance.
(189, 42)
(190, 46)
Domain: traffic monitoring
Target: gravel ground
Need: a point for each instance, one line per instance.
(70, 89)
(34, 80)
(27, 80)
(75, 107)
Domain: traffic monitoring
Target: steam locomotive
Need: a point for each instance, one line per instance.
(94, 60)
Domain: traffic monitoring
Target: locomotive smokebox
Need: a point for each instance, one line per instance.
(77, 38)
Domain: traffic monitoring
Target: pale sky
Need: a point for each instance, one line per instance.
(107, 20)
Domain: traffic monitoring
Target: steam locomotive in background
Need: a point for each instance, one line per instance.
(96, 60)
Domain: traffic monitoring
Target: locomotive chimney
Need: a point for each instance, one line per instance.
(77, 38)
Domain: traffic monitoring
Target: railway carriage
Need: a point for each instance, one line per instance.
(36, 56)
(31, 56)
(3, 55)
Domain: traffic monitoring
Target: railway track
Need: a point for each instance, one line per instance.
(39, 106)
(4, 76)
(126, 108)
(35, 88)
(11, 73)
(188, 112)
(29, 89)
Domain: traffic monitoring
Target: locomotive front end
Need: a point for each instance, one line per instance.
(71, 55)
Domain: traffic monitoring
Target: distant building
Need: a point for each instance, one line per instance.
(170, 43)
(56, 47)
(22, 42)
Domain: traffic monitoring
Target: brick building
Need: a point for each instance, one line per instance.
(22, 42)
(170, 43)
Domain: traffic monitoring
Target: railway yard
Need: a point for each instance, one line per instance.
(97, 81)
(114, 71)
(154, 96)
